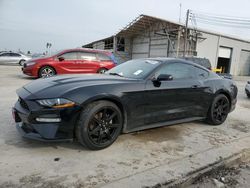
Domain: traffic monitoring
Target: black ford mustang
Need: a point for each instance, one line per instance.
(135, 95)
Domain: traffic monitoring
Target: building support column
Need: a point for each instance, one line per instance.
(178, 41)
(114, 44)
(149, 43)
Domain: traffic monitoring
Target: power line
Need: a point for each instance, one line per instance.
(219, 15)
(225, 21)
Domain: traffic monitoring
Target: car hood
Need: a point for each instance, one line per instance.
(59, 85)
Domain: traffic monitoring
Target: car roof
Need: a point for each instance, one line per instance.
(200, 61)
(171, 60)
(11, 53)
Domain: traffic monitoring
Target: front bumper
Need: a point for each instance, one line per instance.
(28, 127)
(36, 136)
(30, 70)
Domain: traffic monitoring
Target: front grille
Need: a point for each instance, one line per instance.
(23, 104)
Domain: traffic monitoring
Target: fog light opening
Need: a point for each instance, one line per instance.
(51, 120)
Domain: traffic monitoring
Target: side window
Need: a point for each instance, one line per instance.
(3, 54)
(69, 56)
(103, 57)
(15, 55)
(200, 73)
(86, 56)
(177, 70)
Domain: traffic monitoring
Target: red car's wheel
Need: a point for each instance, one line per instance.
(101, 70)
(46, 71)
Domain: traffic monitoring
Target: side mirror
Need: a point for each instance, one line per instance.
(164, 77)
(61, 58)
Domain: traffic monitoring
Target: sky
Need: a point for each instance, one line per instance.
(29, 24)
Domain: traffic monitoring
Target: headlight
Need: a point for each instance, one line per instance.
(30, 63)
(56, 103)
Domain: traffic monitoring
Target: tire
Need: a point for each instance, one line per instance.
(21, 62)
(219, 110)
(46, 71)
(102, 70)
(99, 125)
(248, 95)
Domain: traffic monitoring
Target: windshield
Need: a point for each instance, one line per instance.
(138, 68)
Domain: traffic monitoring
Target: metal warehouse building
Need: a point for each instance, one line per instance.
(147, 36)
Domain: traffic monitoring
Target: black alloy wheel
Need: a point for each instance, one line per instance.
(46, 71)
(219, 110)
(99, 125)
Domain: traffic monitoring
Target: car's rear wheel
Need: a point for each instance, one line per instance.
(219, 110)
(101, 70)
(99, 125)
(21, 62)
(46, 71)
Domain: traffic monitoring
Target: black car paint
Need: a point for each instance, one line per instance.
(143, 104)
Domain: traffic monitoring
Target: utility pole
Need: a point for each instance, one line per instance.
(178, 41)
(186, 33)
(180, 14)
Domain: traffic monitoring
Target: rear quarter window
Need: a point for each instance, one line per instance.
(201, 73)
(103, 57)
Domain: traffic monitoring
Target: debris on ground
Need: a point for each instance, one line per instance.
(235, 176)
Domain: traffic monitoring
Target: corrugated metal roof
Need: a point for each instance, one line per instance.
(143, 22)
(140, 24)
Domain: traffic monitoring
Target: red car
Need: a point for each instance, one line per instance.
(73, 61)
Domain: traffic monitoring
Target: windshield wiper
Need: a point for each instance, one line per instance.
(114, 73)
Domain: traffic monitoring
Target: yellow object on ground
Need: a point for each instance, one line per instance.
(217, 70)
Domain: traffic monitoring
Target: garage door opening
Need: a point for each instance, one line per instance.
(224, 59)
(223, 64)
(244, 68)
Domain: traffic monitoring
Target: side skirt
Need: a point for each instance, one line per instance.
(162, 124)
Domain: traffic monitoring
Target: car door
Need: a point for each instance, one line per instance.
(15, 58)
(67, 62)
(205, 90)
(88, 62)
(173, 99)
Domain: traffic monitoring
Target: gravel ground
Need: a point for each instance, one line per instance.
(26, 163)
(237, 176)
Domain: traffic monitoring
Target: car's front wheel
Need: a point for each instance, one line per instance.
(99, 125)
(21, 62)
(101, 70)
(46, 71)
(218, 110)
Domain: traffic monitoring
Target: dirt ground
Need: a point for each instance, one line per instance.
(234, 176)
(26, 163)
